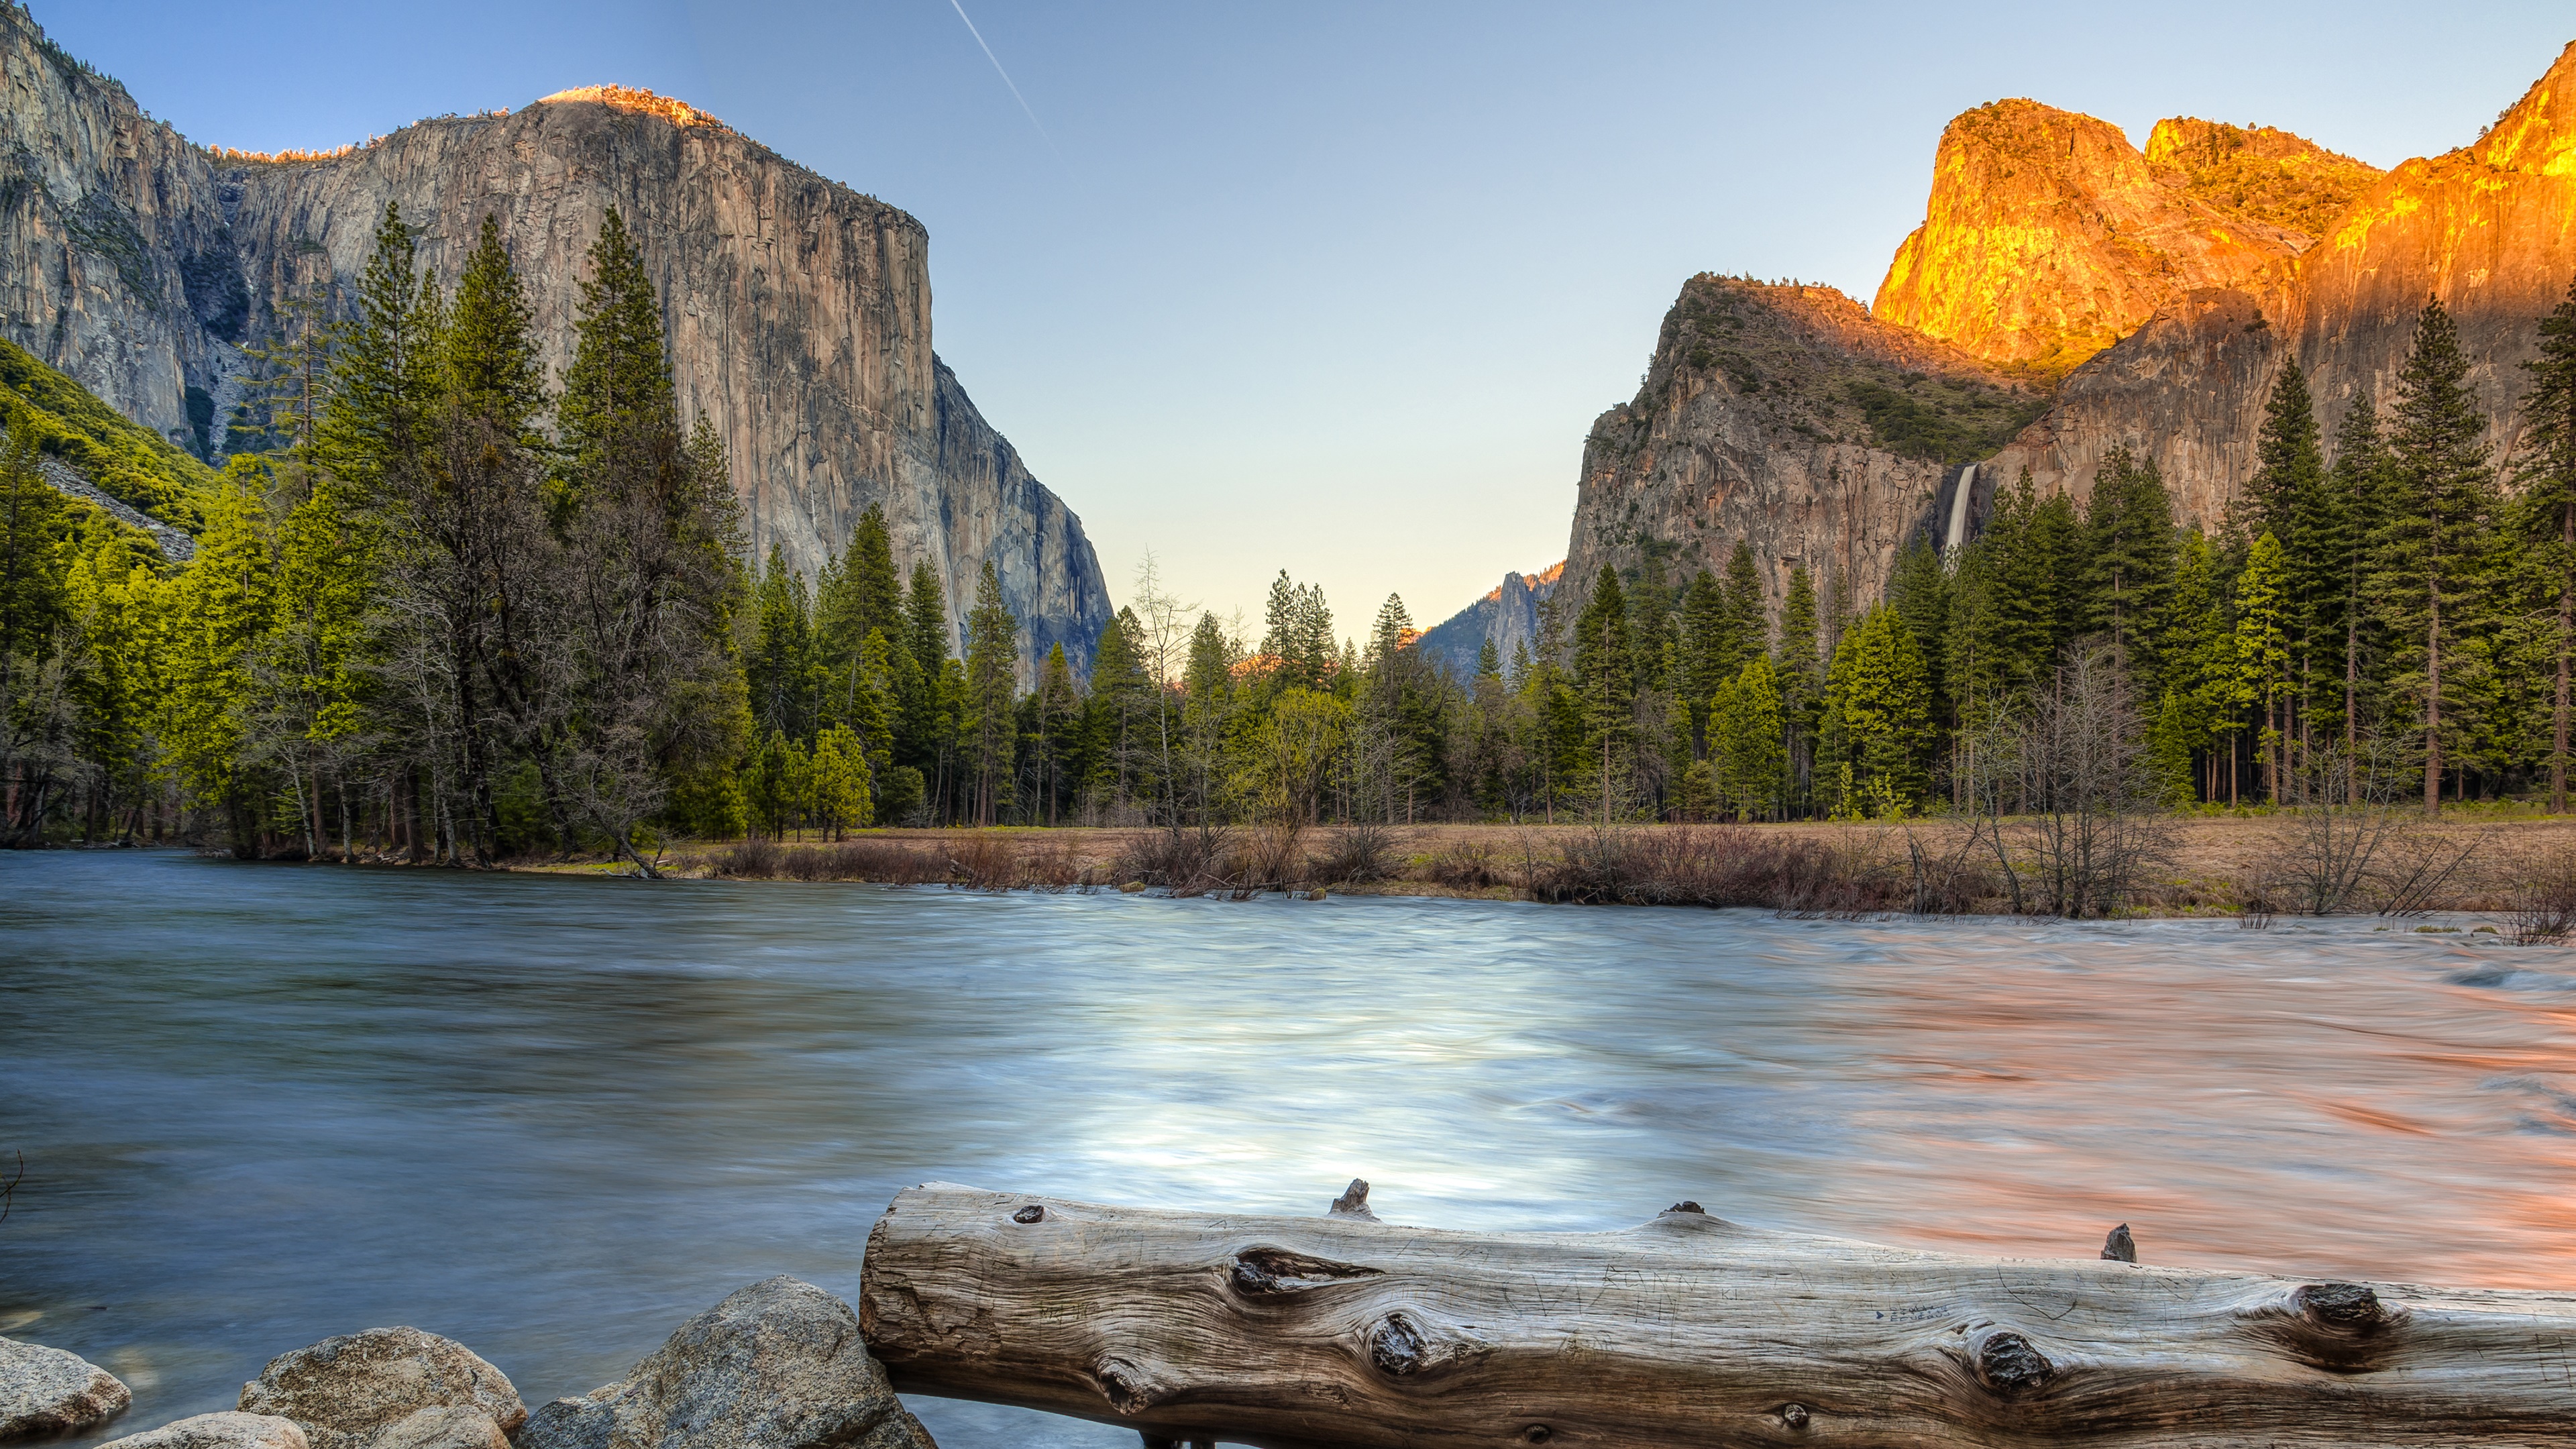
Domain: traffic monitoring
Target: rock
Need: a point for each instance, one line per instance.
(2048, 237)
(388, 1388)
(1507, 617)
(449, 1427)
(47, 1391)
(1752, 426)
(799, 310)
(778, 1365)
(227, 1430)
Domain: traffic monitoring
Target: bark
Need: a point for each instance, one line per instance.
(2558, 708)
(1296, 1333)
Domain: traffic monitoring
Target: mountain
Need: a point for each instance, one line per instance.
(1507, 616)
(2048, 237)
(1789, 417)
(2065, 294)
(2490, 228)
(798, 310)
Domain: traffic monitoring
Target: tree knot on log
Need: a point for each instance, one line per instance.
(1030, 1214)
(2342, 1327)
(1353, 1203)
(2119, 1247)
(1401, 1347)
(1794, 1415)
(1264, 1270)
(2008, 1365)
(1687, 1206)
(1129, 1389)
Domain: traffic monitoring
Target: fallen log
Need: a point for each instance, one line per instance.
(1341, 1330)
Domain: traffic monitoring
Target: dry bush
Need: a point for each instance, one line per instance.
(2420, 870)
(1185, 860)
(1714, 866)
(1362, 851)
(1053, 864)
(754, 857)
(1467, 866)
(2540, 908)
(983, 863)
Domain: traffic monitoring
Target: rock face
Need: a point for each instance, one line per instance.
(2048, 236)
(388, 1388)
(2489, 228)
(1787, 417)
(47, 1391)
(778, 1365)
(1507, 616)
(798, 310)
(227, 1430)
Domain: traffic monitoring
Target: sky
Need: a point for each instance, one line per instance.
(1323, 287)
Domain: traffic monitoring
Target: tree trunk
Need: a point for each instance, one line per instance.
(2433, 705)
(1296, 1333)
(2558, 712)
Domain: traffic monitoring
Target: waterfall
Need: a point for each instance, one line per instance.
(1959, 512)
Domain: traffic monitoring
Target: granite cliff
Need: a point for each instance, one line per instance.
(1508, 616)
(2048, 237)
(2490, 228)
(798, 310)
(1788, 417)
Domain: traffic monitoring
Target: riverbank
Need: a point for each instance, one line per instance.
(2193, 866)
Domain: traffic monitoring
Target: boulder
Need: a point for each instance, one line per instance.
(227, 1430)
(47, 1391)
(387, 1387)
(779, 1365)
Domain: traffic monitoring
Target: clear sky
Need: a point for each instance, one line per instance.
(1335, 288)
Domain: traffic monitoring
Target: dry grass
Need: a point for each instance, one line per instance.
(2219, 865)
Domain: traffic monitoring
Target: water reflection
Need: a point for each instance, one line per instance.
(554, 1117)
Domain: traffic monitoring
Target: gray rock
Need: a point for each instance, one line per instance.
(47, 1391)
(227, 1430)
(779, 1365)
(362, 1390)
(451, 1427)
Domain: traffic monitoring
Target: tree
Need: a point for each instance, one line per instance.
(2129, 543)
(493, 371)
(2360, 487)
(781, 671)
(618, 390)
(1746, 746)
(2442, 498)
(839, 775)
(992, 661)
(33, 518)
(1801, 675)
(1606, 677)
(1878, 716)
(2263, 651)
(2546, 510)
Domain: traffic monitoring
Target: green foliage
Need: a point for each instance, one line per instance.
(1878, 714)
(127, 461)
(1950, 423)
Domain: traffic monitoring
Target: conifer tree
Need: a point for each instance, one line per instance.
(1606, 677)
(1919, 589)
(2546, 510)
(2263, 651)
(1744, 604)
(493, 372)
(925, 644)
(1059, 708)
(618, 389)
(1711, 646)
(1801, 673)
(1746, 742)
(780, 669)
(2431, 542)
(992, 661)
(389, 369)
(2129, 540)
(1878, 716)
(2360, 487)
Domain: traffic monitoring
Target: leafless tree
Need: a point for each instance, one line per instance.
(2061, 791)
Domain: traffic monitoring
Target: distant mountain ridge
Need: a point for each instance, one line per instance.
(798, 310)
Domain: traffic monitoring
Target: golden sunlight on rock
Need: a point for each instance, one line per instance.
(633, 98)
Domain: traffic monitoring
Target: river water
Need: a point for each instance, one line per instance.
(554, 1117)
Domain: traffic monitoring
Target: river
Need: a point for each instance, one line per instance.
(553, 1117)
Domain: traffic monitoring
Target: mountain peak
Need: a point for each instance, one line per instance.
(2258, 172)
(2048, 237)
(637, 99)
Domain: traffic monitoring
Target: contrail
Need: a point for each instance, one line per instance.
(1005, 75)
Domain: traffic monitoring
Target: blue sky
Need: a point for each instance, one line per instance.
(1325, 287)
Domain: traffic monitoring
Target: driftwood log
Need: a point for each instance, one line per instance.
(1341, 1330)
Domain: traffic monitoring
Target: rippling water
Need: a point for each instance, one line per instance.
(554, 1117)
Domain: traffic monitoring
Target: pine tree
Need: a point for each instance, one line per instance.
(2546, 510)
(2359, 485)
(992, 661)
(2430, 545)
(925, 647)
(618, 390)
(389, 370)
(1801, 673)
(1746, 742)
(1744, 604)
(1606, 678)
(2129, 540)
(780, 669)
(2263, 651)
(1919, 589)
(493, 372)
(1059, 709)
(1878, 716)
(1711, 646)
(838, 770)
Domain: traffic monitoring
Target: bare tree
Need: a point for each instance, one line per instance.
(2063, 793)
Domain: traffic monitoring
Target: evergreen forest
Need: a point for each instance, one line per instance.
(445, 607)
